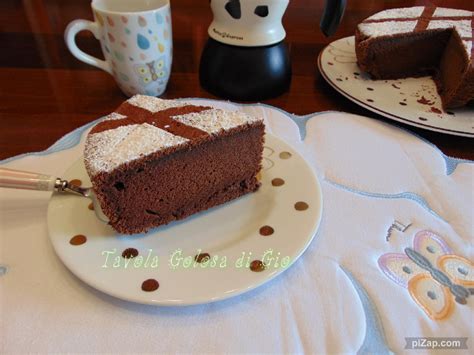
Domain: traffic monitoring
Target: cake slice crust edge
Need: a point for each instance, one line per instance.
(170, 183)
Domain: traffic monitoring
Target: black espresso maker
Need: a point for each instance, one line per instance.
(246, 57)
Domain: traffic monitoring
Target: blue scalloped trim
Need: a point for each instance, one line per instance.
(73, 138)
(451, 162)
(374, 340)
(402, 195)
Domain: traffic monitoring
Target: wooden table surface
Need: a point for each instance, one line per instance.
(46, 92)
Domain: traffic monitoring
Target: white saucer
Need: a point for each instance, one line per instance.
(413, 101)
(227, 232)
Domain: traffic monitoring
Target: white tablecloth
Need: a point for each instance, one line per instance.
(334, 299)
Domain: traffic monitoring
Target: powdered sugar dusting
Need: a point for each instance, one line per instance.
(114, 116)
(442, 11)
(106, 150)
(100, 146)
(215, 120)
(154, 104)
(406, 12)
(385, 28)
(143, 140)
(463, 27)
(376, 29)
(109, 149)
(468, 45)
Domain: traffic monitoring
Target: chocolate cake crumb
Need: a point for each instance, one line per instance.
(146, 175)
(419, 41)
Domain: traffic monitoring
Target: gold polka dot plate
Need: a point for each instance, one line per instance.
(211, 256)
(413, 101)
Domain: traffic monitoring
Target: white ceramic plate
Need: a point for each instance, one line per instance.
(230, 232)
(413, 101)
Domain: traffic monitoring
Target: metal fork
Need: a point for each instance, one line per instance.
(25, 180)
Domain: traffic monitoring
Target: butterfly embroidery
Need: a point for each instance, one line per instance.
(432, 274)
(151, 72)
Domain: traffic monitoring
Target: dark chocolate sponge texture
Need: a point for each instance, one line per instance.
(418, 41)
(154, 161)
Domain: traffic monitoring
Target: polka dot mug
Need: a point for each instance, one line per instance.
(136, 40)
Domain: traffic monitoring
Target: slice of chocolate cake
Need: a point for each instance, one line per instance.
(154, 161)
(418, 41)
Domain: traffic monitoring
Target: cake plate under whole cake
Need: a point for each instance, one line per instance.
(273, 226)
(413, 101)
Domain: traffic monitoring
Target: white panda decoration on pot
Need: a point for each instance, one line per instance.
(245, 57)
(248, 22)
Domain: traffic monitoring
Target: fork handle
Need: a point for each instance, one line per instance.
(17, 179)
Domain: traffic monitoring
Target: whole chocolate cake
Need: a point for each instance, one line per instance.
(154, 161)
(418, 41)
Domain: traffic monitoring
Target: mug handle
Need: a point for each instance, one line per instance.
(72, 30)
